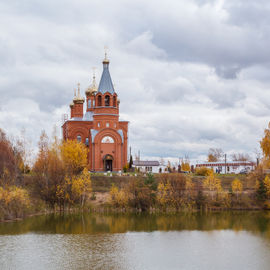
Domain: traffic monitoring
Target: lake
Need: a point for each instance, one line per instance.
(226, 240)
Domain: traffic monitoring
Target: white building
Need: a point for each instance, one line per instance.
(148, 166)
(229, 167)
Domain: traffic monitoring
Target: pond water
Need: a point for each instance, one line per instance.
(184, 241)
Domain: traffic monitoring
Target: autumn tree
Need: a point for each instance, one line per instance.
(14, 200)
(8, 165)
(215, 154)
(185, 165)
(74, 156)
(139, 194)
(49, 171)
(265, 146)
(61, 172)
(80, 187)
(118, 197)
(266, 182)
(212, 184)
(176, 186)
(77, 178)
(164, 194)
(237, 187)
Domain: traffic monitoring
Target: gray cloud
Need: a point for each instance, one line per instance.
(190, 74)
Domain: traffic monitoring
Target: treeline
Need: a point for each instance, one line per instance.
(178, 192)
(59, 177)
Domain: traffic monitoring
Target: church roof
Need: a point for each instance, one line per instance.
(105, 84)
(146, 163)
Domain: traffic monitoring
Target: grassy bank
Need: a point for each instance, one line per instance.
(176, 192)
(158, 193)
(102, 183)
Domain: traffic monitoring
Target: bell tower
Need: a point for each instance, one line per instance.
(78, 104)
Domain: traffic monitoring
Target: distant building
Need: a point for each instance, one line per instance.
(228, 167)
(148, 166)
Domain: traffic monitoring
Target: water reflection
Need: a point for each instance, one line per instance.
(183, 241)
(121, 223)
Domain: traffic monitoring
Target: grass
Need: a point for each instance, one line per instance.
(103, 183)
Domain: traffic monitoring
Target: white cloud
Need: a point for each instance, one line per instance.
(190, 74)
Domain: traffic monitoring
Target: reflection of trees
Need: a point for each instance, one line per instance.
(257, 222)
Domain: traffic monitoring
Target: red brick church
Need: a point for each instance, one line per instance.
(98, 125)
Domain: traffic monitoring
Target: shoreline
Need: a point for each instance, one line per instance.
(127, 211)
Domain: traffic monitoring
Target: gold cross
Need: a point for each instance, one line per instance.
(105, 50)
(79, 89)
(94, 73)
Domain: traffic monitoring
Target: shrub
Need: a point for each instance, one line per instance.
(118, 198)
(203, 171)
(14, 202)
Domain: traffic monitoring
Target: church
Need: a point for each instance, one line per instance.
(98, 125)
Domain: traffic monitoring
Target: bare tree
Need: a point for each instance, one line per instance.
(23, 147)
(215, 154)
(240, 157)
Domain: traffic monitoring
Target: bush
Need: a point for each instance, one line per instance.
(14, 202)
(203, 171)
(118, 198)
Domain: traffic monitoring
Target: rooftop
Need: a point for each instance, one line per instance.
(105, 84)
(145, 163)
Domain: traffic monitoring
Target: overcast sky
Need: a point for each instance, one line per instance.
(190, 74)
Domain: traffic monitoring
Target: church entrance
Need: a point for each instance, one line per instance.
(108, 162)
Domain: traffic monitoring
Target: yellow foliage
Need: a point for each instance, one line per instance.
(267, 185)
(74, 156)
(118, 197)
(237, 186)
(14, 201)
(185, 166)
(203, 171)
(77, 188)
(164, 192)
(265, 145)
(212, 184)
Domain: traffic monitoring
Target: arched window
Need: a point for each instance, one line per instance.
(79, 138)
(87, 141)
(107, 139)
(114, 101)
(93, 103)
(89, 103)
(107, 100)
(99, 100)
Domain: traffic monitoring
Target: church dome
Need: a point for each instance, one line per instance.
(77, 98)
(92, 89)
